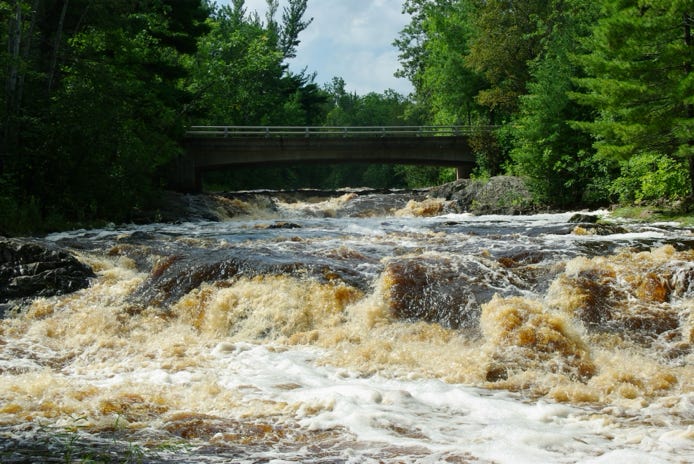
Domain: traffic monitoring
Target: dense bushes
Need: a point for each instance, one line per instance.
(651, 177)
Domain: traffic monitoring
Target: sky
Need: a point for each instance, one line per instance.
(351, 39)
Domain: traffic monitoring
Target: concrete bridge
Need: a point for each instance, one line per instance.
(215, 147)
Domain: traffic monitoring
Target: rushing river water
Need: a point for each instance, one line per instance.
(360, 328)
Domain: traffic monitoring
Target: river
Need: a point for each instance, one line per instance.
(362, 328)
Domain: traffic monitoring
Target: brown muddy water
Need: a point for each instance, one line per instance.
(359, 329)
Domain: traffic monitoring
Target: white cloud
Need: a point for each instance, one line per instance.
(351, 39)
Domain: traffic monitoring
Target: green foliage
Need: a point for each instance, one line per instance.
(373, 109)
(639, 79)
(293, 23)
(450, 85)
(425, 176)
(505, 43)
(469, 62)
(577, 86)
(651, 177)
(97, 95)
(93, 102)
(239, 75)
(16, 217)
(557, 157)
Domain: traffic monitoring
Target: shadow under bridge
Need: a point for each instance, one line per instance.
(215, 147)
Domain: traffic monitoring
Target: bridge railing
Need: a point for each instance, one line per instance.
(332, 131)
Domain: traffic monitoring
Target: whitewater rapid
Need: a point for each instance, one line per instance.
(330, 331)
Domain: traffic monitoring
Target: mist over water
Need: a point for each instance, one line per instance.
(361, 327)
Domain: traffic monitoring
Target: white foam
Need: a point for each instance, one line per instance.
(445, 418)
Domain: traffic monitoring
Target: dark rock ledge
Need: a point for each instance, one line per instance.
(498, 195)
(29, 269)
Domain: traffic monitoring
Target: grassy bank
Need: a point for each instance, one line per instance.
(655, 214)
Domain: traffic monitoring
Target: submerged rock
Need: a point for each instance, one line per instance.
(431, 290)
(630, 293)
(29, 269)
(435, 288)
(175, 275)
(520, 335)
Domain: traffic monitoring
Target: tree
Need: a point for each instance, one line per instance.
(461, 68)
(447, 78)
(373, 109)
(240, 75)
(557, 157)
(640, 81)
(411, 43)
(293, 24)
(505, 42)
(93, 102)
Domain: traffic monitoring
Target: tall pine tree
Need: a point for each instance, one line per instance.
(640, 80)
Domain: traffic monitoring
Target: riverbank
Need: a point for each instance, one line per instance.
(505, 195)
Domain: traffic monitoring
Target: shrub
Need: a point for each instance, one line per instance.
(651, 177)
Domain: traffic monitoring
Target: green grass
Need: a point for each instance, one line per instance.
(655, 214)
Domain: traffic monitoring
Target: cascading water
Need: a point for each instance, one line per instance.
(360, 328)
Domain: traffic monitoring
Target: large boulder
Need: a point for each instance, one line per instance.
(498, 195)
(29, 269)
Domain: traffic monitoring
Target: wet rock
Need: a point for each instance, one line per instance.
(581, 218)
(499, 195)
(431, 290)
(173, 276)
(598, 229)
(529, 267)
(138, 236)
(520, 335)
(434, 288)
(29, 269)
(587, 292)
(631, 297)
(279, 225)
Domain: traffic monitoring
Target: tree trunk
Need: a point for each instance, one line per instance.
(689, 108)
(9, 133)
(26, 49)
(13, 46)
(56, 46)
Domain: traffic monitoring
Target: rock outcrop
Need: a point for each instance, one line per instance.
(498, 195)
(29, 269)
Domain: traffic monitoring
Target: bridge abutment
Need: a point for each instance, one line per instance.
(464, 172)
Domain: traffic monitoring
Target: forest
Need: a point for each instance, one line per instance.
(593, 102)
